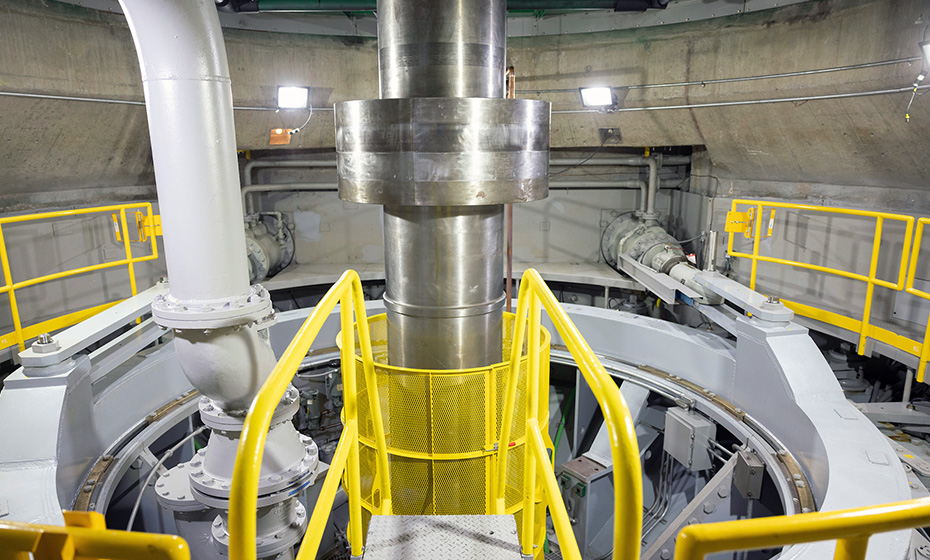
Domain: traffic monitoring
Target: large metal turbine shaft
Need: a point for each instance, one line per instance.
(443, 152)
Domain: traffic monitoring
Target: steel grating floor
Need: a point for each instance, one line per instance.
(441, 537)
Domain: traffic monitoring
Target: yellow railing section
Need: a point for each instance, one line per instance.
(628, 485)
(851, 527)
(911, 273)
(347, 292)
(538, 477)
(85, 536)
(20, 335)
(751, 224)
(443, 430)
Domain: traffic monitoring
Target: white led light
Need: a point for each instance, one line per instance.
(925, 47)
(290, 97)
(597, 97)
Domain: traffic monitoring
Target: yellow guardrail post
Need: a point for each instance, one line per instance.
(128, 249)
(532, 425)
(628, 492)
(11, 292)
(347, 292)
(912, 271)
(353, 476)
(852, 528)
(757, 239)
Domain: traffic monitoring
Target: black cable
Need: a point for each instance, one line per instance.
(585, 160)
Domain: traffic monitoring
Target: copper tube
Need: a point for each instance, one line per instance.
(511, 82)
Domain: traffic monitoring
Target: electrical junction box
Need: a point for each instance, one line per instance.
(687, 437)
(587, 488)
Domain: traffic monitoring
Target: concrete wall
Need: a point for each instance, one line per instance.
(51, 145)
(852, 152)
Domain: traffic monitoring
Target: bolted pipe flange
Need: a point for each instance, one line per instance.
(173, 490)
(272, 487)
(254, 307)
(216, 418)
(279, 528)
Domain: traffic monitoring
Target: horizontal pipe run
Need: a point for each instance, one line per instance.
(283, 187)
(908, 60)
(631, 161)
(870, 93)
(247, 172)
(32, 95)
(247, 192)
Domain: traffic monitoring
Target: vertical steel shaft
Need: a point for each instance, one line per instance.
(444, 264)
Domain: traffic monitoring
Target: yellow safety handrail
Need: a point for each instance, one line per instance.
(347, 292)
(852, 528)
(19, 334)
(863, 326)
(628, 486)
(911, 273)
(86, 536)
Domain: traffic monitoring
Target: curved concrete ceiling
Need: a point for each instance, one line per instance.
(518, 24)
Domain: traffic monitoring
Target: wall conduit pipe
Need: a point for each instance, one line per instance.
(654, 163)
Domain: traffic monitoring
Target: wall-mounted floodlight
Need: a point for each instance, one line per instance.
(925, 47)
(291, 97)
(599, 97)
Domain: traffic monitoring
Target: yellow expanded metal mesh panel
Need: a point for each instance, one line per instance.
(443, 428)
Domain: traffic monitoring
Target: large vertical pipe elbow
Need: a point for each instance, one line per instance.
(216, 315)
(185, 77)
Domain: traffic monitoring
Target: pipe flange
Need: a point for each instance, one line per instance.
(218, 419)
(255, 307)
(293, 528)
(173, 490)
(272, 487)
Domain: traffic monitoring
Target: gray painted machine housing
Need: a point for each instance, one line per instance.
(56, 427)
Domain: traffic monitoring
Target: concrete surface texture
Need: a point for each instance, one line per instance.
(53, 48)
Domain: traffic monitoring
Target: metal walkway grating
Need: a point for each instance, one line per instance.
(442, 537)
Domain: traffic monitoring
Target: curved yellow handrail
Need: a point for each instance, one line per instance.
(85, 535)
(852, 528)
(628, 493)
(244, 496)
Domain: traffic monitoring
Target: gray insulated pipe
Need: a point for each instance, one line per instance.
(220, 321)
